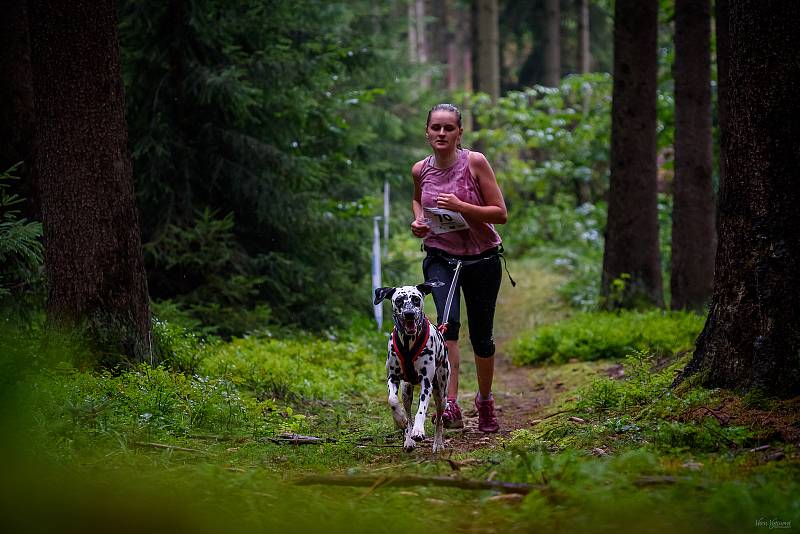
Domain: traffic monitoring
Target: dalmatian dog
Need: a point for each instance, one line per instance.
(417, 354)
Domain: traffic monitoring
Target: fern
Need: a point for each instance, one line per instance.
(21, 250)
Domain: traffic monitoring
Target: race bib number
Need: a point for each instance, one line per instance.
(443, 221)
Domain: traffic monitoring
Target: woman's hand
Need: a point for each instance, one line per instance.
(450, 202)
(420, 228)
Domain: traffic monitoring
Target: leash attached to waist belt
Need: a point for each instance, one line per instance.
(452, 260)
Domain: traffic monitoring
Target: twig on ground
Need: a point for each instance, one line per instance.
(655, 480)
(211, 437)
(412, 480)
(297, 439)
(168, 447)
(552, 415)
(720, 420)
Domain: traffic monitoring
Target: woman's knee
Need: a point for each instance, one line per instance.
(483, 346)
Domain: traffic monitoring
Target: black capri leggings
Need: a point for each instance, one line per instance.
(480, 282)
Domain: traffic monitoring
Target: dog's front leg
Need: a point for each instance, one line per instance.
(408, 395)
(439, 395)
(438, 433)
(418, 432)
(400, 417)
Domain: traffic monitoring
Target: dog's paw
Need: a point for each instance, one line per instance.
(418, 434)
(409, 443)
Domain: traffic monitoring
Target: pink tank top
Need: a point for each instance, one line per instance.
(458, 180)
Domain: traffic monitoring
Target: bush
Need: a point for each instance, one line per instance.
(303, 367)
(597, 335)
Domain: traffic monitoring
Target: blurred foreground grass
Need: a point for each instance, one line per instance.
(188, 447)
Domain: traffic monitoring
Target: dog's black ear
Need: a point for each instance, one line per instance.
(426, 287)
(383, 293)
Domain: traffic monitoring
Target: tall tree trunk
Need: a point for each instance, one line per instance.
(413, 43)
(442, 40)
(422, 43)
(467, 45)
(487, 48)
(584, 56)
(93, 254)
(631, 247)
(552, 43)
(751, 338)
(16, 101)
(693, 229)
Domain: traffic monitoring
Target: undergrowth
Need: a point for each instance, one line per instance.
(608, 335)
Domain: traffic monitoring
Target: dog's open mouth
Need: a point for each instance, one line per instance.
(410, 326)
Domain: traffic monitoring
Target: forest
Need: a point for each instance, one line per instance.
(199, 200)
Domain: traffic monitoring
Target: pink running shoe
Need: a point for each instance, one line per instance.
(451, 418)
(487, 421)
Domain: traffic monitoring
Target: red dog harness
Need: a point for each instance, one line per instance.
(409, 356)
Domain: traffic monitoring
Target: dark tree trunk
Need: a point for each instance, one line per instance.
(16, 101)
(460, 49)
(584, 56)
(631, 247)
(93, 254)
(423, 54)
(487, 45)
(552, 43)
(751, 339)
(693, 230)
(441, 40)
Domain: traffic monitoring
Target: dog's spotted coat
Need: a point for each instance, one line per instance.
(431, 366)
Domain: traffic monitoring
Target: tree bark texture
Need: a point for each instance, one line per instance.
(552, 43)
(631, 246)
(16, 101)
(693, 227)
(93, 254)
(465, 43)
(584, 55)
(751, 339)
(442, 40)
(412, 33)
(488, 48)
(422, 42)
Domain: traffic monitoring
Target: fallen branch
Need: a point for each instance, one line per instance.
(720, 420)
(211, 437)
(654, 481)
(168, 447)
(657, 480)
(412, 480)
(549, 416)
(297, 439)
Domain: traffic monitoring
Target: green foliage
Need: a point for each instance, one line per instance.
(144, 400)
(303, 367)
(548, 141)
(176, 347)
(592, 336)
(21, 251)
(278, 114)
(640, 386)
(209, 275)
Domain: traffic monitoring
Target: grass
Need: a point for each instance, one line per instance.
(608, 335)
(621, 453)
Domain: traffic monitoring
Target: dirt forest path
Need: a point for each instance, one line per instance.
(521, 393)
